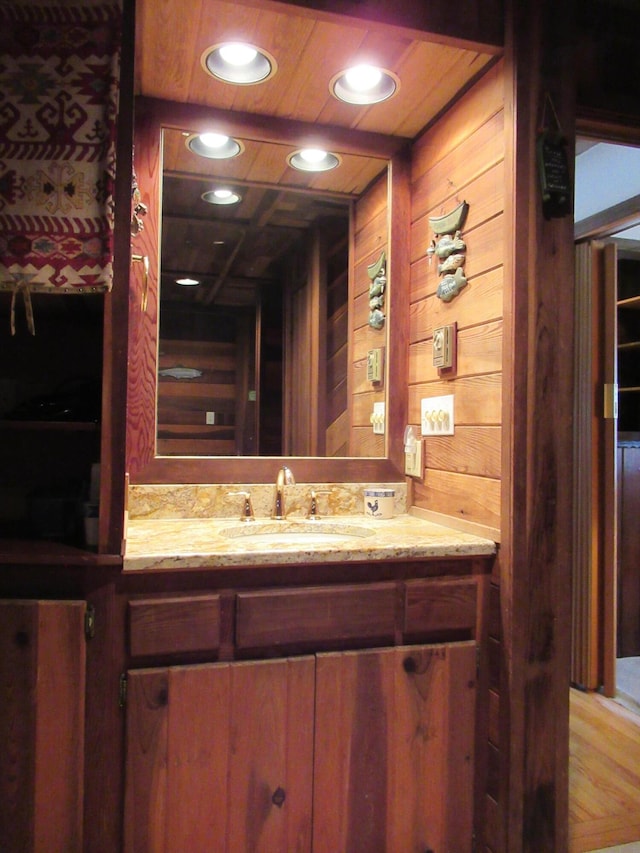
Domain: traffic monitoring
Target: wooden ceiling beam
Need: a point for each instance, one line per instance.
(199, 119)
(473, 24)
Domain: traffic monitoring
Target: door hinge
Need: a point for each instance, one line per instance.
(90, 622)
(122, 700)
(611, 400)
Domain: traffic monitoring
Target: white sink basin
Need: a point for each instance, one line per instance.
(294, 534)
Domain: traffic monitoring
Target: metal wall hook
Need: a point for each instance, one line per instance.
(144, 260)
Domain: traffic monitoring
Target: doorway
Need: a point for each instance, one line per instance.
(606, 652)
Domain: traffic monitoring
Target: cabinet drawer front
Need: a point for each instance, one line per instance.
(448, 605)
(329, 614)
(184, 624)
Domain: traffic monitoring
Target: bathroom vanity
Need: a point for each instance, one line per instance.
(303, 685)
(326, 693)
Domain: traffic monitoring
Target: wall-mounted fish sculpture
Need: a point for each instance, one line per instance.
(451, 285)
(450, 249)
(451, 222)
(378, 276)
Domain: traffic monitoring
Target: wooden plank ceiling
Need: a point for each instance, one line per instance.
(297, 106)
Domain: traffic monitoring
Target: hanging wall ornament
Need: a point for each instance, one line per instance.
(450, 250)
(553, 166)
(378, 275)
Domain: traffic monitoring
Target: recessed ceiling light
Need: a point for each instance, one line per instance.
(187, 282)
(221, 196)
(215, 146)
(236, 62)
(313, 160)
(364, 84)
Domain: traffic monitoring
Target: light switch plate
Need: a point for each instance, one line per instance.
(377, 418)
(443, 346)
(375, 365)
(436, 415)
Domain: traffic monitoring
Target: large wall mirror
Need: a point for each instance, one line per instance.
(257, 304)
(267, 356)
(296, 105)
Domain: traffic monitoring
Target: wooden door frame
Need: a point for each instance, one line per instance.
(537, 431)
(595, 480)
(609, 475)
(599, 227)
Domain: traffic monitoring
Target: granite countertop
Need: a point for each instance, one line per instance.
(156, 544)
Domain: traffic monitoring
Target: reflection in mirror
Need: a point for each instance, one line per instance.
(261, 347)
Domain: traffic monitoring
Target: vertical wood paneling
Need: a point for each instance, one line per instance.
(584, 652)
(271, 743)
(337, 346)
(145, 809)
(211, 748)
(113, 430)
(538, 435)
(197, 754)
(42, 680)
(391, 770)
(18, 665)
(59, 735)
(143, 313)
(302, 321)
(629, 578)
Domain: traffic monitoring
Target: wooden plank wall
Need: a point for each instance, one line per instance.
(462, 158)
(337, 349)
(370, 238)
(182, 405)
(305, 334)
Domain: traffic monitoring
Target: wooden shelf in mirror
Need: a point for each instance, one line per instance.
(49, 426)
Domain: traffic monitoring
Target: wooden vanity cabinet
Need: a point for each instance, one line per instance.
(42, 708)
(324, 731)
(219, 757)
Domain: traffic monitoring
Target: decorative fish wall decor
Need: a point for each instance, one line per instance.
(450, 249)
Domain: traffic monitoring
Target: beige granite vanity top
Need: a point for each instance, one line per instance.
(217, 543)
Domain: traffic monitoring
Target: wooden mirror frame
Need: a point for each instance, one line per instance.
(142, 463)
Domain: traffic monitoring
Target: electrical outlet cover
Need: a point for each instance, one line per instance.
(413, 465)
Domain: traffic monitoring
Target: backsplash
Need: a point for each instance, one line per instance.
(223, 501)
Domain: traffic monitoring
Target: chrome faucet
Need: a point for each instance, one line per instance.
(285, 478)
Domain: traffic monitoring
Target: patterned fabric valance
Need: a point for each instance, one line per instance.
(59, 73)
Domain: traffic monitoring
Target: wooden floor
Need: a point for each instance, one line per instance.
(604, 773)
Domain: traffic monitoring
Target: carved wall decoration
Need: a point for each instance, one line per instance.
(378, 274)
(450, 250)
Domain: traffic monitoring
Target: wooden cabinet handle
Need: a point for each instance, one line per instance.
(278, 797)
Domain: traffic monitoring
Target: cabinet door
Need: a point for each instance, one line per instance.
(394, 743)
(42, 697)
(629, 554)
(219, 757)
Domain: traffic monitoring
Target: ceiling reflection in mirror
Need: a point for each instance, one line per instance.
(257, 319)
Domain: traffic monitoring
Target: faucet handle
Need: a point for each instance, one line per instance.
(247, 510)
(313, 507)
